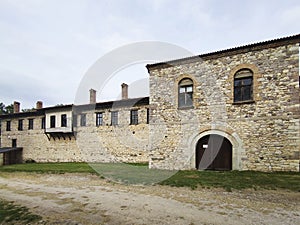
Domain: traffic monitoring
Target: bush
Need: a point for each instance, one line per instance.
(30, 161)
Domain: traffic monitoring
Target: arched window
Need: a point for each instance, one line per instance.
(185, 93)
(243, 85)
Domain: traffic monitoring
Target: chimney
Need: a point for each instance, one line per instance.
(16, 107)
(124, 91)
(92, 96)
(39, 105)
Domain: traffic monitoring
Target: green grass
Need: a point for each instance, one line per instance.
(49, 168)
(131, 173)
(140, 174)
(15, 214)
(236, 180)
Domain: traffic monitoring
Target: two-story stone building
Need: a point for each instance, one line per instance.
(235, 109)
(70, 133)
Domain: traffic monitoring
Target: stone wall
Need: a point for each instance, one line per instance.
(106, 143)
(118, 143)
(36, 145)
(264, 133)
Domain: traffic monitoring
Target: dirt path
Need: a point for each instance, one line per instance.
(86, 199)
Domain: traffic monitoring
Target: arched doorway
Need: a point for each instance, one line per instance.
(214, 152)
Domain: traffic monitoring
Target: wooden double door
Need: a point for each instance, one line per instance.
(214, 152)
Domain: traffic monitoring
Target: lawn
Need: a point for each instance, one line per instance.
(140, 174)
(119, 172)
(236, 180)
(49, 168)
(11, 213)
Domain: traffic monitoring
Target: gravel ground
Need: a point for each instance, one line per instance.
(87, 199)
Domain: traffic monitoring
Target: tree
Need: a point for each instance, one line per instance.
(9, 109)
(2, 108)
(6, 109)
(28, 110)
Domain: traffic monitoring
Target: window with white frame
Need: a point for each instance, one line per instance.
(99, 119)
(185, 93)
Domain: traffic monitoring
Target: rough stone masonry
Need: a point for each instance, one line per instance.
(261, 125)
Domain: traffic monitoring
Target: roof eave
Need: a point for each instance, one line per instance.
(228, 52)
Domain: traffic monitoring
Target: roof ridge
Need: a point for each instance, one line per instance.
(239, 49)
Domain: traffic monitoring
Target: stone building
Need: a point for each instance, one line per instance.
(95, 132)
(235, 109)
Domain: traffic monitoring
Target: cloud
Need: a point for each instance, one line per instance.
(14, 86)
(291, 15)
(197, 12)
(52, 43)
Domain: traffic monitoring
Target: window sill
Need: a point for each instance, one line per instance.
(243, 102)
(185, 107)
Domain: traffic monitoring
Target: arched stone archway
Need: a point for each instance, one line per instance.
(213, 152)
(238, 151)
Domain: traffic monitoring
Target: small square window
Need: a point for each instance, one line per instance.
(134, 119)
(14, 143)
(43, 123)
(181, 90)
(52, 121)
(20, 125)
(8, 126)
(148, 116)
(83, 120)
(189, 89)
(63, 120)
(99, 119)
(30, 124)
(114, 118)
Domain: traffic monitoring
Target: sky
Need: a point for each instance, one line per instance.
(47, 46)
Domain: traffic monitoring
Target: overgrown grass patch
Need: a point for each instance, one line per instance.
(235, 180)
(11, 213)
